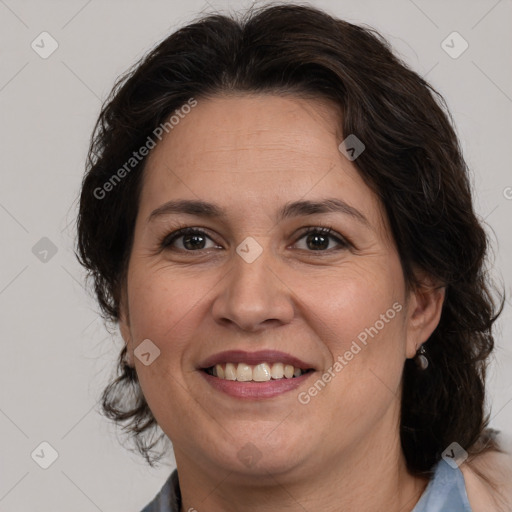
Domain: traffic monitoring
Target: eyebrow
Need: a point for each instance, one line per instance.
(292, 209)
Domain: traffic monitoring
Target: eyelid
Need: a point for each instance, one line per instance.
(327, 231)
(179, 231)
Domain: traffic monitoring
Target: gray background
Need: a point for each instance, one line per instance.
(56, 354)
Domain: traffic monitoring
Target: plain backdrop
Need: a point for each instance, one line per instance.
(56, 355)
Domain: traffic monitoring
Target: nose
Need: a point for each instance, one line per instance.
(253, 296)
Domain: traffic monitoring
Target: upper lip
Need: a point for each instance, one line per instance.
(253, 358)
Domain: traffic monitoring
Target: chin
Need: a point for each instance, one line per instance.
(262, 454)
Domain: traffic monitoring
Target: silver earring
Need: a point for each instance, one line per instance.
(421, 358)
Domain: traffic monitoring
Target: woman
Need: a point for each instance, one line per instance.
(277, 213)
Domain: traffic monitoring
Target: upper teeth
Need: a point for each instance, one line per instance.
(260, 373)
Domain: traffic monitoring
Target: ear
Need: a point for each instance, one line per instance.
(124, 328)
(423, 313)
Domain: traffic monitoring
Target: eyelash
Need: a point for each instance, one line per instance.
(170, 238)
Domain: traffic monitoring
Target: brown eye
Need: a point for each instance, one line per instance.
(318, 239)
(191, 240)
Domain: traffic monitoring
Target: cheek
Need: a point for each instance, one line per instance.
(359, 317)
(355, 299)
(164, 307)
(360, 323)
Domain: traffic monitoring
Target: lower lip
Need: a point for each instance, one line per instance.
(255, 390)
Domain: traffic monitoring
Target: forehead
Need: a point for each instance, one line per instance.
(252, 151)
(222, 128)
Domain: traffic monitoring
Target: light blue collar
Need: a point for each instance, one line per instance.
(446, 491)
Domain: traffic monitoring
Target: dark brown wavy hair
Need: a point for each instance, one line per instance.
(412, 160)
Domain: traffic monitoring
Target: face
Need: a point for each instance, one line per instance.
(261, 278)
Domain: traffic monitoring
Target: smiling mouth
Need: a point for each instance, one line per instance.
(263, 372)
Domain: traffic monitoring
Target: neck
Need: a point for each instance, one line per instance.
(366, 477)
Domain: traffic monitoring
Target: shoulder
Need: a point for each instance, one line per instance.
(488, 478)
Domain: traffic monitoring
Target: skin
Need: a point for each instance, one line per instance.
(251, 154)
